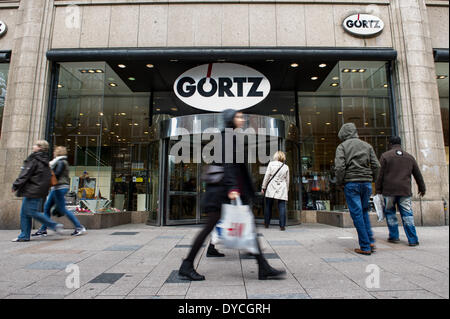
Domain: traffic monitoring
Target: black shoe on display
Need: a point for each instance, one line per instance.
(265, 270)
(187, 270)
(39, 233)
(213, 252)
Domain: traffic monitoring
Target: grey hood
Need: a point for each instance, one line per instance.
(348, 130)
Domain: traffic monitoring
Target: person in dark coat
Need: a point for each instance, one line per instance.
(33, 184)
(236, 182)
(394, 183)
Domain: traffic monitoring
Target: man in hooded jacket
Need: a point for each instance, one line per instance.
(357, 166)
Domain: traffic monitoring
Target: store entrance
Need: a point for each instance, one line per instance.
(182, 190)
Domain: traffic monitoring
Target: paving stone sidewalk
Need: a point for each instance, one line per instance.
(140, 261)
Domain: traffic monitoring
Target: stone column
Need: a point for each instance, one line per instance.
(26, 100)
(418, 107)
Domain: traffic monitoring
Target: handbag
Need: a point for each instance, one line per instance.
(53, 179)
(236, 228)
(212, 174)
(267, 186)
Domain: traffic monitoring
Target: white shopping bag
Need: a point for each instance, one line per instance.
(236, 228)
(378, 202)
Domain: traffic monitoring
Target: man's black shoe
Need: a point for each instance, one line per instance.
(187, 270)
(412, 245)
(393, 240)
(213, 252)
(39, 233)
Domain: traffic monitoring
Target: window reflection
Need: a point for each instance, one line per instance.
(354, 91)
(4, 68)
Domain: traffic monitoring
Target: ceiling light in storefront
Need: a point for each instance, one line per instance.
(123, 113)
(335, 78)
(366, 123)
(101, 113)
(292, 110)
(92, 139)
(270, 60)
(98, 124)
(98, 71)
(441, 77)
(111, 133)
(346, 70)
(122, 66)
(327, 123)
(322, 139)
(173, 60)
(383, 114)
(339, 112)
(130, 124)
(314, 78)
(362, 70)
(309, 123)
(131, 78)
(174, 109)
(78, 133)
(158, 109)
(117, 124)
(68, 139)
(60, 85)
(145, 132)
(83, 71)
(91, 71)
(112, 84)
(294, 65)
(81, 114)
(136, 124)
(322, 65)
(385, 85)
(274, 110)
(334, 84)
(149, 65)
(354, 70)
(381, 133)
(317, 113)
(68, 124)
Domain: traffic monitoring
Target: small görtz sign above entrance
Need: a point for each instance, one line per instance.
(219, 86)
(363, 24)
(3, 28)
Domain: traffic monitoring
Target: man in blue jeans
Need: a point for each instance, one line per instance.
(394, 183)
(357, 167)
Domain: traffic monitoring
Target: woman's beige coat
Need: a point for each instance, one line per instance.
(279, 186)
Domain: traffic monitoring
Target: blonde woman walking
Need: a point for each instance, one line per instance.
(276, 186)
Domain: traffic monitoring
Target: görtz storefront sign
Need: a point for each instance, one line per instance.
(362, 24)
(219, 86)
(3, 28)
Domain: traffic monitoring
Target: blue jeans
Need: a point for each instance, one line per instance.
(281, 211)
(357, 195)
(404, 206)
(30, 210)
(57, 197)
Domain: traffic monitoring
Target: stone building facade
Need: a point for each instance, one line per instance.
(417, 30)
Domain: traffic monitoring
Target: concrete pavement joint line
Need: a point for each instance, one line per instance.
(288, 270)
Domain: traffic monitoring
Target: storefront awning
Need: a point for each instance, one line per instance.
(215, 54)
(440, 55)
(5, 56)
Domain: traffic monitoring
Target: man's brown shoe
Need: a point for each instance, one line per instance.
(362, 252)
(373, 248)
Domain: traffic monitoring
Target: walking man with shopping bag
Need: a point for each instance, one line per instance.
(356, 167)
(394, 183)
